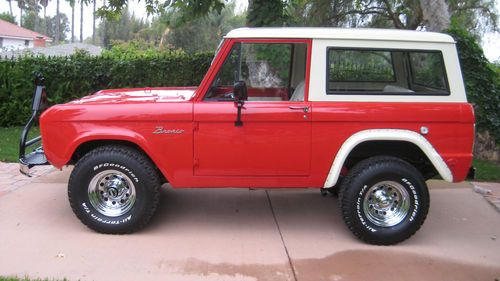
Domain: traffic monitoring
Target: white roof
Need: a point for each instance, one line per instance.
(340, 33)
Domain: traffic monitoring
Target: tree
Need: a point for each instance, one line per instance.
(200, 34)
(81, 20)
(436, 15)
(8, 17)
(72, 5)
(44, 4)
(57, 36)
(265, 13)
(93, 20)
(22, 5)
(124, 28)
(190, 8)
(50, 22)
(10, 7)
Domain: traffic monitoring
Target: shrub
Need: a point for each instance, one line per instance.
(75, 76)
(482, 82)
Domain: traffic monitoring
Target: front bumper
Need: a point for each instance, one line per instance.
(35, 158)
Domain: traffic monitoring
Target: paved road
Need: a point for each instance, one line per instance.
(241, 234)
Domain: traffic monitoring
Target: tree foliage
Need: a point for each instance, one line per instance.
(482, 81)
(474, 15)
(49, 24)
(190, 8)
(265, 13)
(8, 17)
(200, 34)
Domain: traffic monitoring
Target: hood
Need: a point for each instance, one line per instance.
(138, 95)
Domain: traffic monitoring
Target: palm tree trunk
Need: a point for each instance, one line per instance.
(81, 21)
(45, 19)
(73, 23)
(93, 24)
(10, 7)
(58, 23)
(21, 17)
(37, 19)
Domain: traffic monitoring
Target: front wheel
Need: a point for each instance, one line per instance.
(384, 200)
(114, 189)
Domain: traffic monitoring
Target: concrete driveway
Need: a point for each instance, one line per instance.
(242, 234)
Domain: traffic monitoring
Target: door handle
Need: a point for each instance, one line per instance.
(299, 107)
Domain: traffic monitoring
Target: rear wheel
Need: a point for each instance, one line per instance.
(114, 189)
(384, 200)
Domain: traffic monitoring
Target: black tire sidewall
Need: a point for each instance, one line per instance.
(418, 199)
(79, 199)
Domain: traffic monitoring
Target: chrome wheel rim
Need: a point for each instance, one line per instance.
(386, 203)
(111, 193)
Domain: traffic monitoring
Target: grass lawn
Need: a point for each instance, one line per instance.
(9, 150)
(9, 143)
(487, 171)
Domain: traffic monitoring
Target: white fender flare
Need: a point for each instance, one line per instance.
(390, 135)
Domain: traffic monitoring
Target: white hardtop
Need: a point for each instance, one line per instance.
(341, 34)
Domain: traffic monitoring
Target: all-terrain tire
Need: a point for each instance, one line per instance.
(114, 189)
(384, 200)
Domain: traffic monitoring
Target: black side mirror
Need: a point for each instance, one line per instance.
(240, 91)
(240, 96)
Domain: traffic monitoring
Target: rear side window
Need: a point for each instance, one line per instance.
(385, 72)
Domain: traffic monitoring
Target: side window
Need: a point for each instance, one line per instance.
(271, 71)
(427, 70)
(385, 72)
(361, 66)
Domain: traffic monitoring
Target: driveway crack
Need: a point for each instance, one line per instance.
(281, 236)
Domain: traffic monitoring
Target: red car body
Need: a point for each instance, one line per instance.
(280, 144)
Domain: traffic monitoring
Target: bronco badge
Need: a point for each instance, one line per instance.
(161, 130)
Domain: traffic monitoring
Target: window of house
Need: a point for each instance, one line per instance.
(26, 43)
(385, 72)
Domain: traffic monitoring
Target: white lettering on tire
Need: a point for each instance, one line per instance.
(105, 221)
(358, 210)
(127, 170)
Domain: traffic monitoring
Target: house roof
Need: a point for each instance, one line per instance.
(341, 34)
(57, 50)
(10, 30)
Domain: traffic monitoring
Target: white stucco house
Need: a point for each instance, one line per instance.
(14, 37)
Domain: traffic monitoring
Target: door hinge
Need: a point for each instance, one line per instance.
(196, 126)
(196, 162)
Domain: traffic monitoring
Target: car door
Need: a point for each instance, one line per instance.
(275, 136)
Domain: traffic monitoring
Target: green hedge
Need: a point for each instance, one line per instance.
(72, 77)
(482, 82)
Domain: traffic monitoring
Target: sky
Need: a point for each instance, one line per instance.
(490, 41)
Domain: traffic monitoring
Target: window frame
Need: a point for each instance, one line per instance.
(441, 92)
(225, 51)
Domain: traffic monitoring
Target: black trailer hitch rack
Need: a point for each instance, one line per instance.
(38, 105)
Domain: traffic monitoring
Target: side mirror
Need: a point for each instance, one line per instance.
(240, 96)
(240, 91)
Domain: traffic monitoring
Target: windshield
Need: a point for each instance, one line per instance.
(217, 51)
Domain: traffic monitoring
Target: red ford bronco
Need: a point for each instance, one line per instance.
(370, 113)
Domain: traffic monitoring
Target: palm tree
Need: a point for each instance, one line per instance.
(81, 21)
(58, 23)
(72, 4)
(44, 4)
(10, 7)
(93, 23)
(21, 4)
